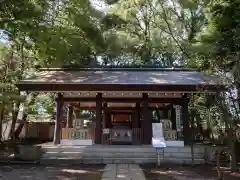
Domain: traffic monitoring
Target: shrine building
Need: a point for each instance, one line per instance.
(126, 103)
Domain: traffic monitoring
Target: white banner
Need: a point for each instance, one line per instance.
(178, 118)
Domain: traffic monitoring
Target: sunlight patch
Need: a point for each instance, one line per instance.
(169, 172)
(74, 171)
(121, 176)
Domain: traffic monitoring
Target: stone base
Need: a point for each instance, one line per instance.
(174, 143)
(121, 154)
(76, 142)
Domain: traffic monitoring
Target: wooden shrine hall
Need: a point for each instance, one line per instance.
(123, 100)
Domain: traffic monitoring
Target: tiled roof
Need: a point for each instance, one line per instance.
(143, 77)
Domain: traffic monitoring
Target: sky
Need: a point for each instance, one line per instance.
(3, 37)
(99, 4)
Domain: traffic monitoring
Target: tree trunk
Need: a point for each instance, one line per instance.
(15, 112)
(1, 119)
(231, 143)
(193, 138)
(20, 127)
(220, 173)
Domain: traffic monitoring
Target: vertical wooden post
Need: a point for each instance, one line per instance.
(147, 121)
(138, 109)
(70, 117)
(98, 133)
(104, 117)
(185, 119)
(108, 119)
(165, 113)
(57, 131)
(173, 117)
(136, 116)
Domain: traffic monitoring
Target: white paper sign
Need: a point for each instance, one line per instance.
(178, 118)
(157, 129)
(78, 123)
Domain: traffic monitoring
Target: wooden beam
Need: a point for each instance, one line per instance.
(116, 112)
(125, 100)
(57, 130)
(61, 87)
(115, 108)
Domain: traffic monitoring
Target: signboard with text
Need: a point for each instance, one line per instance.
(178, 118)
(157, 129)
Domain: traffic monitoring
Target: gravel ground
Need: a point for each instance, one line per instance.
(174, 172)
(45, 172)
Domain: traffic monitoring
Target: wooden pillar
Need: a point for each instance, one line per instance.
(98, 128)
(173, 117)
(134, 119)
(57, 130)
(165, 113)
(108, 119)
(70, 117)
(136, 116)
(138, 109)
(185, 119)
(147, 121)
(104, 116)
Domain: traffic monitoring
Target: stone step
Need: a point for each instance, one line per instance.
(57, 160)
(92, 149)
(98, 150)
(120, 155)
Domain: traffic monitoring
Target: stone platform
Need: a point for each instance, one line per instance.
(119, 154)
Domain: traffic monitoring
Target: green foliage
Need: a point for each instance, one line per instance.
(222, 33)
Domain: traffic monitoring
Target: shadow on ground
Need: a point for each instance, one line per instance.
(44, 172)
(177, 172)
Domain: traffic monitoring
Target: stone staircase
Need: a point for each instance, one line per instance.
(118, 154)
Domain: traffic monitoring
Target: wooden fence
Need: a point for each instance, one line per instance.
(39, 130)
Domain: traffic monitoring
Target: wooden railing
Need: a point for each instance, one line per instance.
(72, 133)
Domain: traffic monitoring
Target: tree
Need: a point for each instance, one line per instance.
(71, 34)
(156, 32)
(219, 45)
